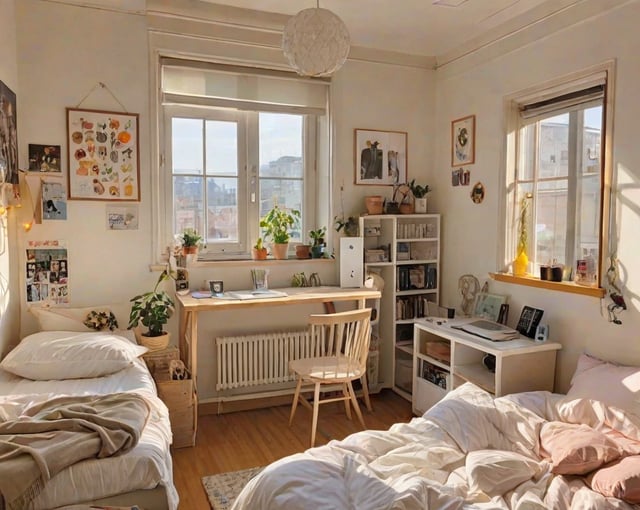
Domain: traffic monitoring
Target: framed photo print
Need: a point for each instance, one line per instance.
(44, 158)
(488, 306)
(381, 157)
(104, 157)
(463, 141)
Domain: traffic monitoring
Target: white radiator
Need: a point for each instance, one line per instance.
(260, 359)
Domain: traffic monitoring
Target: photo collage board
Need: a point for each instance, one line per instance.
(47, 270)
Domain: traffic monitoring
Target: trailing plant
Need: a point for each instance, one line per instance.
(350, 226)
(278, 223)
(153, 309)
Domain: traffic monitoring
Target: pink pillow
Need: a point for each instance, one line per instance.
(619, 480)
(615, 385)
(577, 449)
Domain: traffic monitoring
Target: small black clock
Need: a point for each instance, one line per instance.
(216, 286)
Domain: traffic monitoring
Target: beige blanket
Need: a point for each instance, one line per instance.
(51, 436)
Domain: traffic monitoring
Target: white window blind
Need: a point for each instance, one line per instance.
(243, 88)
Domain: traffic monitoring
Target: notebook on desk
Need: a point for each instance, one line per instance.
(254, 294)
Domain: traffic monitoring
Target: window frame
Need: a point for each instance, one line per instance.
(248, 175)
(508, 209)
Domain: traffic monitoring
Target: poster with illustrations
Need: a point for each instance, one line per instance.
(54, 201)
(104, 158)
(47, 270)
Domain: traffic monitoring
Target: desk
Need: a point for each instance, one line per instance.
(189, 307)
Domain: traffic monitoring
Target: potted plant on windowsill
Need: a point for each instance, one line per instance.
(190, 240)
(277, 225)
(259, 252)
(153, 309)
(318, 244)
(419, 193)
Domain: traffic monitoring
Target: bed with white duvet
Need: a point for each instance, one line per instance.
(535, 450)
(49, 365)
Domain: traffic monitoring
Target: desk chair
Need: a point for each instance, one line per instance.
(342, 341)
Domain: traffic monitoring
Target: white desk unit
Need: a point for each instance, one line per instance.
(445, 358)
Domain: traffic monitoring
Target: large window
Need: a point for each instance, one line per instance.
(234, 148)
(558, 177)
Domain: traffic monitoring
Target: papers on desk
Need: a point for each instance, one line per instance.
(241, 294)
(490, 330)
(254, 294)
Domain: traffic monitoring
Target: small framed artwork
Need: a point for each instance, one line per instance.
(54, 200)
(488, 306)
(44, 158)
(463, 141)
(104, 158)
(380, 157)
(122, 217)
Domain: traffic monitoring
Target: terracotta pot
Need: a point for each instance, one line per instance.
(374, 203)
(280, 250)
(189, 250)
(260, 254)
(303, 251)
(406, 208)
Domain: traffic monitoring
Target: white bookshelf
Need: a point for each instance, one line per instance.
(404, 249)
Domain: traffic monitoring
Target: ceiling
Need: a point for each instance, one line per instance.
(432, 28)
(417, 27)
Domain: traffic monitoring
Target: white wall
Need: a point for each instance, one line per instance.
(65, 50)
(9, 283)
(477, 85)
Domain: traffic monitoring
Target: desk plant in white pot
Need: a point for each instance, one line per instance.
(419, 193)
(152, 309)
(277, 225)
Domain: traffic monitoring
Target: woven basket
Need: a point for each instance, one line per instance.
(154, 343)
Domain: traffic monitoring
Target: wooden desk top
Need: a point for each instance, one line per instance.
(295, 296)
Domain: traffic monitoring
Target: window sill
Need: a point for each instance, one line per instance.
(251, 262)
(530, 281)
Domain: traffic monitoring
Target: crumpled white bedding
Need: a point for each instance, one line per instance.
(469, 451)
(144, 467)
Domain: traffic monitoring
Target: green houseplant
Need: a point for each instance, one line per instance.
(190, 240)
(277, 225)
(259, 252)
(318, 243)
(153, 309)
(419, 193)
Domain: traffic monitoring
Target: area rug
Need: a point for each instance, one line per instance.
(224, 488)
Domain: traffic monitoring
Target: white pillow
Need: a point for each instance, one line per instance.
(613, 384)
(70, 355)
(495, 472)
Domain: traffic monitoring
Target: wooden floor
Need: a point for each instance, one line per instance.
(240, 440)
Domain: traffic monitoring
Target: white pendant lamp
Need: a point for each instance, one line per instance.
(316, 42)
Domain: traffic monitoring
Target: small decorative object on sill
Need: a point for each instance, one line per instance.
(557, 271)
(545, 272)
(259, 252)
(303, 251)
(318, 246)
(521, 261)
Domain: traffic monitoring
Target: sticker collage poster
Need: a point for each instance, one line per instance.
(47, 269)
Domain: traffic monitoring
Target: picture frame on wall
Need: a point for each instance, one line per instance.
(103, 157)
(380, 157)
(463, 141)
(44, 158)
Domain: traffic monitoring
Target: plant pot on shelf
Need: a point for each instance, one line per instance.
(374, 204)
(317, 252)
(420, 205)
(280, 250)
(153, 343)
(259, 254)
(406, 208)
(303, 251)
(393, 208)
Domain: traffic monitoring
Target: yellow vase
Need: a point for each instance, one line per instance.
(520, 264)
